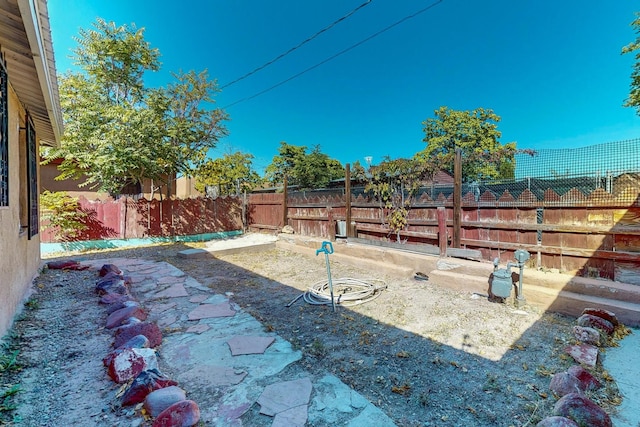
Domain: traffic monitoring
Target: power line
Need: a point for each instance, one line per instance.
(353, 46)
(328, 27)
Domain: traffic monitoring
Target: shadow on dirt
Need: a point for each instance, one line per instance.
(376, 349)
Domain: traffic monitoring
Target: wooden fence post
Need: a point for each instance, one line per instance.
(284, 203)
(123, 219)
(457, 198)
(347, 195)
(442, 230)
(332, 224)
(245, 223)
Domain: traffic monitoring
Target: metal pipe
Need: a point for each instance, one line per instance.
(333, 302)
(327, 248)
(520, 298)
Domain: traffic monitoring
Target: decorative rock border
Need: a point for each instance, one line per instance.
(133, 361)
(594, 328)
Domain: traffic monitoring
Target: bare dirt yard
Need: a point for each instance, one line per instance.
(425, 355)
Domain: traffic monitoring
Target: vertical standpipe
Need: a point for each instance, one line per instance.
(327, 248)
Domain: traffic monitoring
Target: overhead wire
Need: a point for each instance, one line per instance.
(307, 40)
(334, 56)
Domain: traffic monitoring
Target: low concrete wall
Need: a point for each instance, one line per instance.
(550, 291)
(51, 248)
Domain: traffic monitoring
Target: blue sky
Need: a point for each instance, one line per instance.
(551, 69)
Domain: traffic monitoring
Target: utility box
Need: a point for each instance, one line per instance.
(502, 283)
(502, 280)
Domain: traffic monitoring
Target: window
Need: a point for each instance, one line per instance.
(4, 137)
(32, 178)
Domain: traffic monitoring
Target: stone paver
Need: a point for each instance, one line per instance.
(193, 253)
(207, 311)
(249, 344)
(176, 290)
(214, 347)
(198, 329)
(280, 397)
(622, 363)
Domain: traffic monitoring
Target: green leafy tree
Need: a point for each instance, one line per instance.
(395, 183)
(316, 170)
(476, 134)
(634, 48)
(119, 132)
(63, 214)
(358, 171)
(284, 162)
(190, 128)
(231, 174)
(308, 170)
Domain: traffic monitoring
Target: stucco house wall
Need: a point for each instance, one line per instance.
(20, 258)
(74, 188)
(33, 118)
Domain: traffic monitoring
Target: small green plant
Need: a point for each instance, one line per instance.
(5, 398)
(8, 362)
(395, 184)
(62, 213)
(317, 348)
(32, 304)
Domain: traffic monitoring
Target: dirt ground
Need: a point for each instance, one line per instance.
(425, 355)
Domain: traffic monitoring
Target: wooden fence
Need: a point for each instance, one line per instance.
(595, 235)
(127, 218)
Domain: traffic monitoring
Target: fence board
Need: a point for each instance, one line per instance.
(127, 218)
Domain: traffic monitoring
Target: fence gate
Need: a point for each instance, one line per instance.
(266, 211)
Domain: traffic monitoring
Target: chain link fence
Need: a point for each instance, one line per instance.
(599, 175)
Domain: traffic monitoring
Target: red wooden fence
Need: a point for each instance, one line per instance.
(127, 218)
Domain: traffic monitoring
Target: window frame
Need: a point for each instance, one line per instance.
(32, 178)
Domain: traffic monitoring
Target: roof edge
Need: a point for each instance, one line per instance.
(31, 17)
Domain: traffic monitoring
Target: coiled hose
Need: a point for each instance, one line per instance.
(346, 291)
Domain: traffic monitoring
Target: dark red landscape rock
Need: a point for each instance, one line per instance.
(121, 304)
(557, 422)
(129, 362)
(591, 321)
(108, 359)
(146, 382)
(66, 265)
(181, 414)
(587, 381)
(587, 335)
(564, 383)
(109, 268)
(130, 321)
(603, 314)
(110, 298)
(581, 410)
(118, 317)
(586, 354)
(149, 330)
(113, 285)
(159, 400)
(139, 341)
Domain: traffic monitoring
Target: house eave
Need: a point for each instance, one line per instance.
(27, 50)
